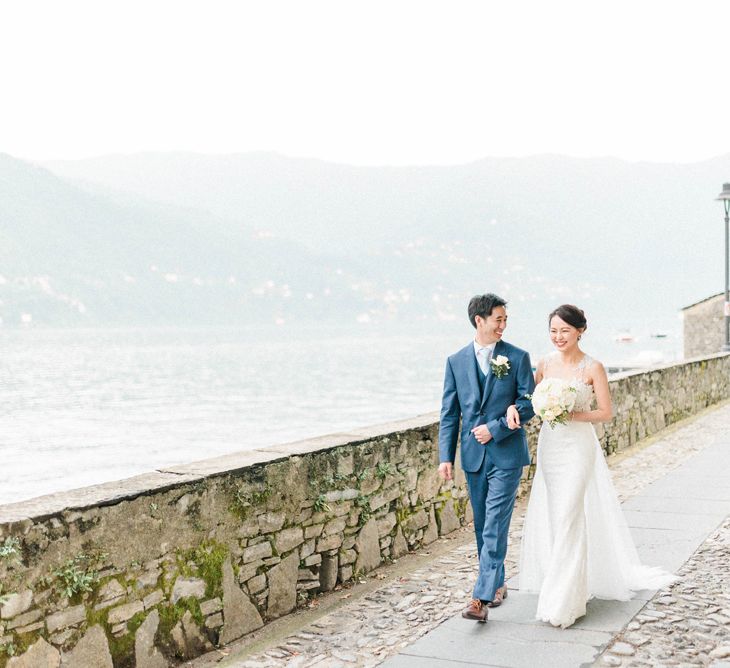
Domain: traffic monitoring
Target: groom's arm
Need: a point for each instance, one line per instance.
(450, 415)
(525, 385)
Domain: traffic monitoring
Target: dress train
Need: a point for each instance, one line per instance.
(576, 543)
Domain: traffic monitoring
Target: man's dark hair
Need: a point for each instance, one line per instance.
(483, 305)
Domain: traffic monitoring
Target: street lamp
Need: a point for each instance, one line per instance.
(724, 197)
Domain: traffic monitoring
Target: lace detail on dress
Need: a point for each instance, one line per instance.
(584, 400)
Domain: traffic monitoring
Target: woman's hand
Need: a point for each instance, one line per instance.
(513, 417)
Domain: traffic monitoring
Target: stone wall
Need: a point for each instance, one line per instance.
(704, 327)
(162, 567)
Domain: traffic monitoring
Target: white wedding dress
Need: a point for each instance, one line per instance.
(576, 544)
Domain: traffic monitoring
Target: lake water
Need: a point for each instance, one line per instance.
(86, 406)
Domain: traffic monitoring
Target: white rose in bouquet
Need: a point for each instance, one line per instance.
(553, 399)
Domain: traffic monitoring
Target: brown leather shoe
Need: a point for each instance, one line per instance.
(476, 610)
(499, 596)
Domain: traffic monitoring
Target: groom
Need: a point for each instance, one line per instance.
(482, 380)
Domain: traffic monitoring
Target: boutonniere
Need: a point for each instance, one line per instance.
(500, 366)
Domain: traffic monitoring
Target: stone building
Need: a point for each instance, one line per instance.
(704, 328)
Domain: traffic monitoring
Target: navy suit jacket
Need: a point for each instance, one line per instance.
(463, 400)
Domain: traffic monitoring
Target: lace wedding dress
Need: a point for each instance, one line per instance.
(576, 544)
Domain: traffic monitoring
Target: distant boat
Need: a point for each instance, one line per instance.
(624, 337)
(659, 335)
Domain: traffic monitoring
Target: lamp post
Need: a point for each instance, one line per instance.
(724, 197)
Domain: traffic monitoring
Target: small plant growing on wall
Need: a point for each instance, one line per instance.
(77, 575)
(9, 649)
(337, 481)
(244, 499)
(10, 548)
(384, 469)
(363, 503)
(321, 505)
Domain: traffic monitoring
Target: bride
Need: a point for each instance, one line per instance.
(576, 544)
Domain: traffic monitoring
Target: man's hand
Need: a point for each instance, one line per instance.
(481, 433)
(446, 470)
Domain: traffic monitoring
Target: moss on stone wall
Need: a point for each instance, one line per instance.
(206, 562)
(170, 615)
(122, 647)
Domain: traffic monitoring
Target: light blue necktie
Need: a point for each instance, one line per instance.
(486, 355)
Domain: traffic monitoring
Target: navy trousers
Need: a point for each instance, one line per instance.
(492, 492)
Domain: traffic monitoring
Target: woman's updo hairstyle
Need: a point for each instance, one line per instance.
(570, 314)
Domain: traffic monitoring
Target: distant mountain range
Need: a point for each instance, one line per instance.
(178, 238)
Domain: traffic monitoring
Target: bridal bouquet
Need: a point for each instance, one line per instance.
(553, 399)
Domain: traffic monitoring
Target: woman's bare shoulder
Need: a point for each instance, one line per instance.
(594, 367)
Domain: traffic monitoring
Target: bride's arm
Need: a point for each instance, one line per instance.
(539, 370)
(604, 409)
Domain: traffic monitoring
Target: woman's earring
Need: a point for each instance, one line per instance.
(579, 335)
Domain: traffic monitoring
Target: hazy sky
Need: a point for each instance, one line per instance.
(368, 82)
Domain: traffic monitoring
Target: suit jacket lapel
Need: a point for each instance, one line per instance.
(489, 382)
(471, 369)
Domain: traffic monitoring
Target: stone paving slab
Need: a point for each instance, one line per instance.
(605, 616)
(672, 539)
(688, 523)
(610, 616)
(506, 644)
(694, 486)
(715, 508)
(708, 467)
(408, 661)
(670, 557)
